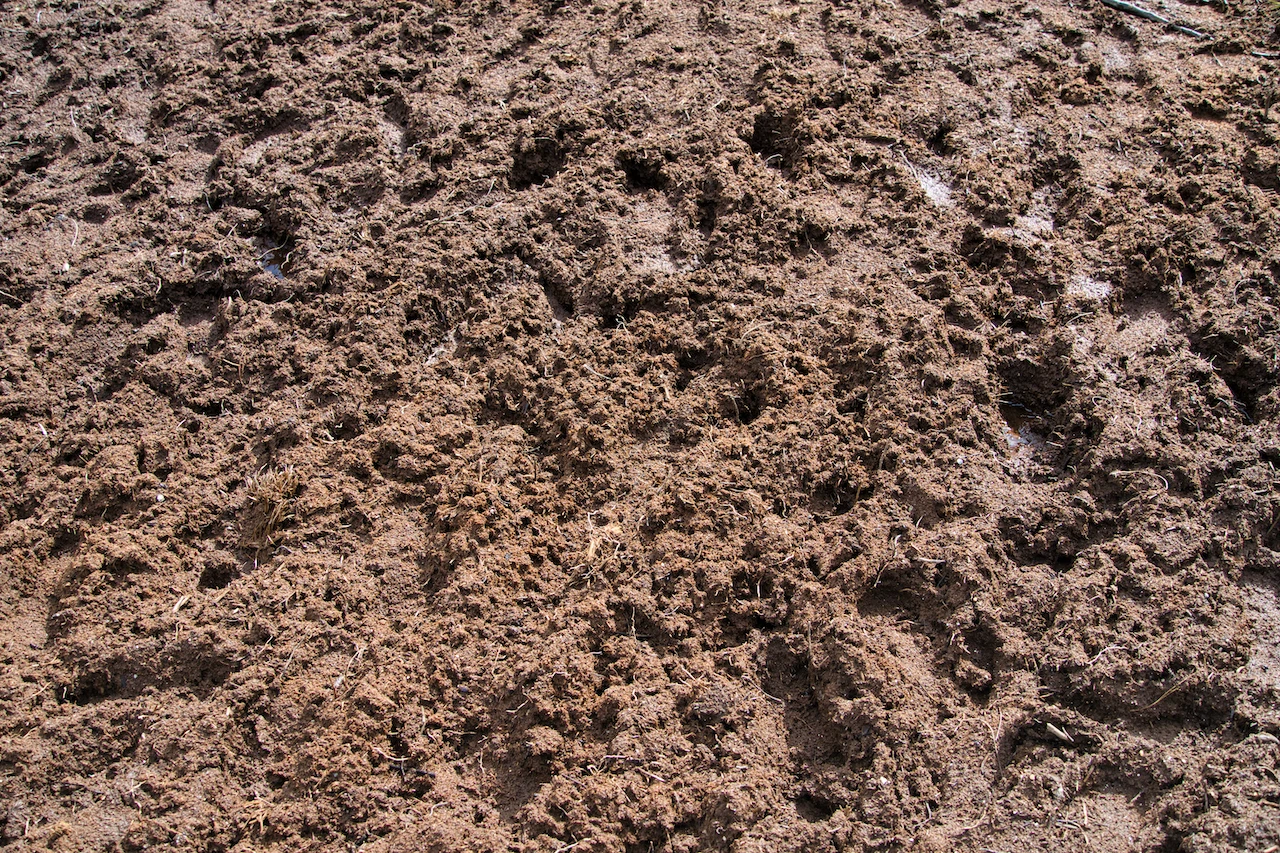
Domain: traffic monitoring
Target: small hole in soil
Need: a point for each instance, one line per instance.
(559, 298)
(1020, 434)
(707, 216)
(274, 253)
(1018, 425)
(536, 160)
(33, 163)
(746, 406)
(940, 141)
(773, 137)
(815, 809)
(643, 171)
(216, 575)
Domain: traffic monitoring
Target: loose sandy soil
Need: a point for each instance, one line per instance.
(638, 426)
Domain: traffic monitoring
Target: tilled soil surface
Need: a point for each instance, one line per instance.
(643, 426)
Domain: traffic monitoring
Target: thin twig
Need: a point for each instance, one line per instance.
(1129, 8)
(1167, 693)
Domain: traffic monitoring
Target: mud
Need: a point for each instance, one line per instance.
(645, 426)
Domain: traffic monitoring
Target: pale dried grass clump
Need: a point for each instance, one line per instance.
(271, 493)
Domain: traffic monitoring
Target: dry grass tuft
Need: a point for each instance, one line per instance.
(271, 493)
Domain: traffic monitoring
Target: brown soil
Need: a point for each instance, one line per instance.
(638, 426)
